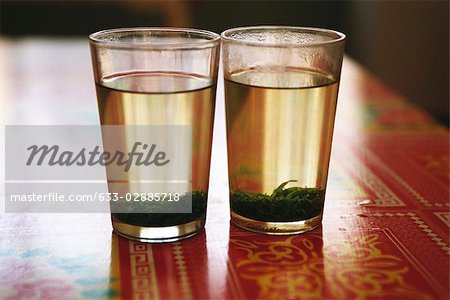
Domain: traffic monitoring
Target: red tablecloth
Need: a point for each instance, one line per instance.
(385, 232)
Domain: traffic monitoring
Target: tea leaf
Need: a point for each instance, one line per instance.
(283, 205)
(133, 216)
(281, 187)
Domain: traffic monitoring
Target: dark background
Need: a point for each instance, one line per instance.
(406, 43)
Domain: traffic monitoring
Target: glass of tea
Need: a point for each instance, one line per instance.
(163, 79)
(281, 87)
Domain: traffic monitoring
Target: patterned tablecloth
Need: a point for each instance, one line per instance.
(385, 232)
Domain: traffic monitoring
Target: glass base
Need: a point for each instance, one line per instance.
(276, 228)
(165, 234)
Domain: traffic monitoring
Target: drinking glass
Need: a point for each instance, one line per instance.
(161, 77)
(281, 87)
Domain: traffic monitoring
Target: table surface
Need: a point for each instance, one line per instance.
(385, 232)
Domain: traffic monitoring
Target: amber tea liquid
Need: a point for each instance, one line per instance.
(159, 98)
(279, 129)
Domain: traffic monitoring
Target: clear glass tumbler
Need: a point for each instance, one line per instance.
(159, 76)
(281, 87)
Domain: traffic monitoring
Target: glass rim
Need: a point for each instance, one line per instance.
(207, 39)
(339, 36)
